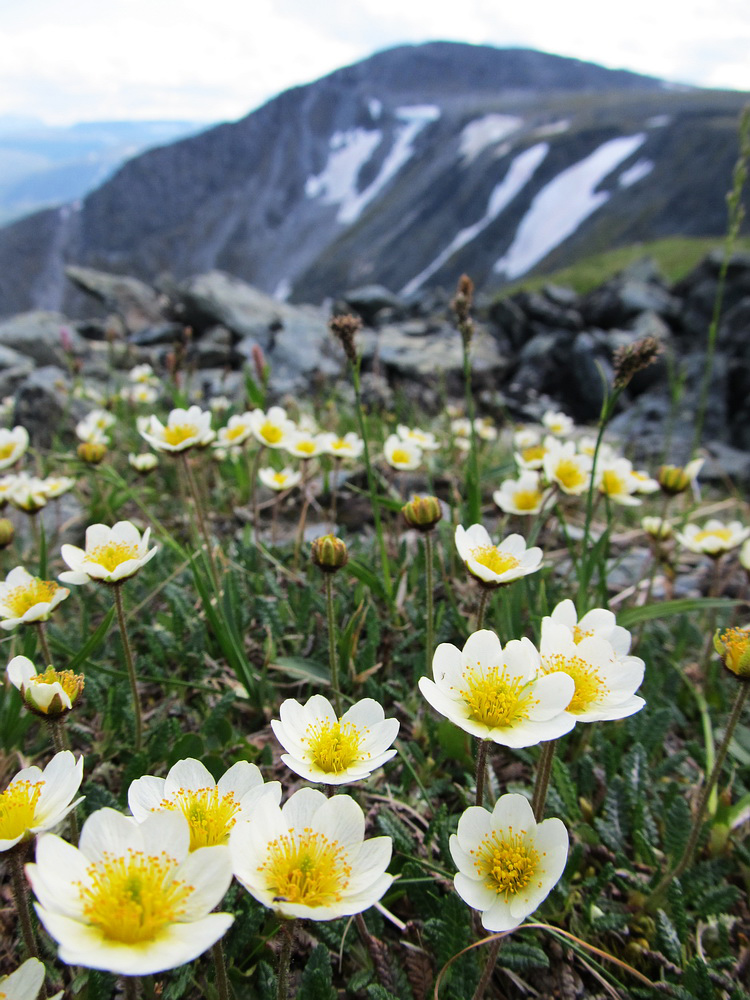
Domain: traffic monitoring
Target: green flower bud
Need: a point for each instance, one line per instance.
(91, 452)
(329, 553)
(7, 532)
(733, 646)
(422, 513)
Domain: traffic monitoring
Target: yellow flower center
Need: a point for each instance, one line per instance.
(334, 747)
(527, 499)
(734, 645)
(506, 863)
(579, 634)
(112, 554)
(534, 453)
(210, 816)
(722, 534)
(175, 434)
(306, 868)
(6, 450)
(589, 689)
(232, 433)
(495, 560)
(306, 447)
(340, 445)
(72, 684)
(271, 433)
(280, 478)
(569, 474)
(18, 807)
(493, 699)
(400, 456)
(132, 899)
(22, 599)
(612, 484)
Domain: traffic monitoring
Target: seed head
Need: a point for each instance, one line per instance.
(461, 306)
(345, 328)
(634, 358)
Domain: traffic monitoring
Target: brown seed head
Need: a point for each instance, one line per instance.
(345, 329)
(634, 358)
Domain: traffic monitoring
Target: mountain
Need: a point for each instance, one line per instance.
(407, 169)
(44, 165)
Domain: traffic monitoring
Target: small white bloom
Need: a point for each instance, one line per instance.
(344, 873)
(25, 982)
(425, 440)
(143, 463)
(147, 394)
(615, 479)
(278, 481)
(52, 693)
(350, 445)
(498, 694)
(55, 486)
(523, 495)
(27, 493)
(272, 429)
(143, 375)
(557, 423)
(402, 455)
(321, 747)
(526, 437)
(495, 564)
(485, 429)
(645, 483)
(566, 468)
(184, 429)
(13, 445)
(599, 622)
(238, 429)
(657, 527)
(25, 598)
(714, 538)
(37, 800)
(94, 426)
(507, 862)
(110, 554)
(531, 456)
(303, 445)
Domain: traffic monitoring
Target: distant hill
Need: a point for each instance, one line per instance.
(407, 169)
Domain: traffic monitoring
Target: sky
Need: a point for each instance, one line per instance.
(65, 61)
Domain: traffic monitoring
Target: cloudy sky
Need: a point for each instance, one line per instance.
(208, 60)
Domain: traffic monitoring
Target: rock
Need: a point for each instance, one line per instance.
(369, 300)
(43, 406)
(162, 333)
(508, 322)
(438, 352)
(618, 301)
(548, 312)
(724, 462)
(212, 299)
(137, 304)
(214, 349)
(584, 391)
(303, 349)
(47, 338)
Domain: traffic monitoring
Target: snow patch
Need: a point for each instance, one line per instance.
(553, 128)
(640, 169)
(563, 204)
(658, 121)
(484, 132)
(519, 173)
(283, 290)
(375, 107)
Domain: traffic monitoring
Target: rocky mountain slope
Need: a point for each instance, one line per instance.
(405, 169)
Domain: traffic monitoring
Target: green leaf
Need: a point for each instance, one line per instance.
(306, 670)
(669, 939)
(317, 979)
(683, 606)
(92, 643)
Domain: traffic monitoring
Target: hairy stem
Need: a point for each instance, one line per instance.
(130, 665)
(543, 774)
(333, 659)
(489, 968)
(429, 600)
(481, 770)
(42, 633)
(202, 527)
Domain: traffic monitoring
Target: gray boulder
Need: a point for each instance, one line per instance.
(137, 304)
(45, 337)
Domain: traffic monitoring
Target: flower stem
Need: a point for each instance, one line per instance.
(303, 513)
(41, 632)
(429, 599)
(332, 654)
(543, 774)
(481, 770)
(202, 527)
(130, 665)
(254, 488)
(130, 987)
(482, 607)
(489, 968)
(687, 854)
(285, 959)
(21, 896)
(222, 983)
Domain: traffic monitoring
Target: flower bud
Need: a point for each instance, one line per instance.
(92, 452)
(7, 532)
(422, 513)
(49, 694)
(329, 553)
(657, 528)
(672, 479)
(733, 646)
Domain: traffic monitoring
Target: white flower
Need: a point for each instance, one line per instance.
(615, 479)
(139, 394)
(110, 554)
(423, 439)
(131, 898)
(25, 982)
(322, 747)
(143, 374)
(7, 485)
(461, 427)
(278, 481)
(566, 468)
(304, 445)
(400, 454)
(605, 683)
(93, 427)
(272, 429)
(521, 496)
(526, 437)
(495, 564)
(531, 455)
(143, 463)
(714, 538)
(744, 556)
(237, 431)
(645, 483)
(37, 800)
(184, 429)
(485, 429)
(27, 493)
(212, 808)
(50, 693)
(557, 423)
(350, 445)
(25, 598)
(507, 862)
(497, 694)
(310, 859)
(657, 527)
(13, 444)
(599, 622)
(219, 404)
(55, 486)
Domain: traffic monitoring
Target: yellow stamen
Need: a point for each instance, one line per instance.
(495, 560)
(306, 447)
(400, 456)
(306, 868)
(132, 899)
(210, 816)
(493, 699)
(590, 688)
(534, 453)
(723, 534)
(6, 450)
(527, 499)
(232, 433)
(335, 746)
(72, 684)
(271, 433)
(22, 599)
(340, 444)
(612, 484)
(506, 863)
(112, 554)
(569, 473)
(18, 807)
(579, 634)
(280, 478)
(175, 434)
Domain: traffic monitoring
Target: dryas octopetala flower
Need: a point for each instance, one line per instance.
(498, 694)
(212, 808)
(599, 622)
(616, 481)
(25, 982)
(675, 479)
(402, 455)
(25, 598)
(110, 554)
(184, 429)
(530, 454)
(425, 440)
(144, 463)
(321, 747)
(733, 646)
(37, 800)
(131, 898)
(494, 565)
(714, 538)
(657, 528)
(507, 862)
(304, 445)
(566, 468)
(13, 445)
(94, 426)
(272, 429)
(27, 493)
(605, 682)
(55, 486)
(237, 431)
(51, 693)
(309, 858)
(523, 495)
(557, 423)
(350, 445)
(278, 481)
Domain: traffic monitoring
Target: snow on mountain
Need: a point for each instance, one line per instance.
(484, 132)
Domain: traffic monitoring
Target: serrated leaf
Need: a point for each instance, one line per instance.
(669, 939)
(316, 982)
